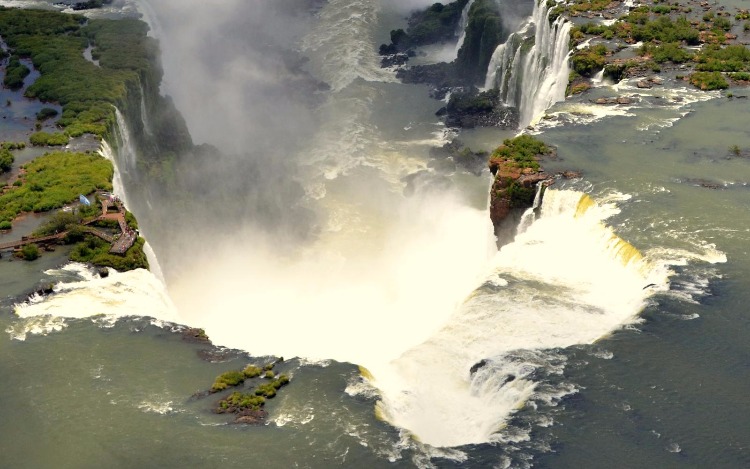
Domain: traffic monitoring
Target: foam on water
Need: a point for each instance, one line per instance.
(571, 280)
(133, 293)
(341, 44)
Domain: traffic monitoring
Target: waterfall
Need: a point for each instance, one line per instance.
(126, 151)
(461, 32)
(569, 279)
(529, 215)
(531, 68)
(144, 114)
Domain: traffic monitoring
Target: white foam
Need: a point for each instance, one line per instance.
(574, 281)
(134, 293)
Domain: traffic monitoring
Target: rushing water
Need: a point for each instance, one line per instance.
(611, 329)
(531, 70)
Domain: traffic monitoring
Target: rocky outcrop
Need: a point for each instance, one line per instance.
(515, 166)
(435, 24)
(471, 109)
(514, 190)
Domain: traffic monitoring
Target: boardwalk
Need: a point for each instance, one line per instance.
(120, 243)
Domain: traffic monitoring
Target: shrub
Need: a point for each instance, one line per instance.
(230, 378)
(709, 81)
(251, 371)
(669, 52)
(5, 225)
(30, 252)
(521, 150)
(59, 222)
(714, 58)
(722, 24)
(588, 61)
(6, 160)
(42, 139)
(46, 113)
(15, 72)
(238, 401)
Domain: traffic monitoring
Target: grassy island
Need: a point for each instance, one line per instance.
(248, 405)
(123, 71)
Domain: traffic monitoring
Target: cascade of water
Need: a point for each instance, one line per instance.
(598, 78)
(461, 32)
(569, 279)
(144, 114)
(126, 153)
(529, 215)
(119, 190)
(117, 187)
(531, 72)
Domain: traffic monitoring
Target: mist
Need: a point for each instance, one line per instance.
(299, 212)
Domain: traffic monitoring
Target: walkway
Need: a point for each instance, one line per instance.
(120, 243)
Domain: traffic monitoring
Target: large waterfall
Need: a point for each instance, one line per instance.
(531, 68)
(568, 279)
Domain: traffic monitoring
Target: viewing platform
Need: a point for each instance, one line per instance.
(120, 242)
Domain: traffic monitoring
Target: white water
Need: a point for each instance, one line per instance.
(144, 114)
(341, 45)
(567, 280)
(462, 26)
(532, 81)
(117, 187)
(529, 216)
(126, 148)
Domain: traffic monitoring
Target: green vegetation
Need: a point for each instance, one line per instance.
(242, 401)
(520, 196)
(579, 88)
(735, 150)
(59, 222)
(484, 32)
(96, 251)
(55, 179)
(238, 401)
(436, 23)
(522, 151)
(55, 43)
(669, 52)
(46, 139)
(6, 160)
(714, 58)
(268, 390)
(740, 76)
(588, 61)
(46, 113)
(15, 72)
(12, 145)
(30, 252)
(230, 378)
(251, 371)
(5, 225)
(709, 81)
